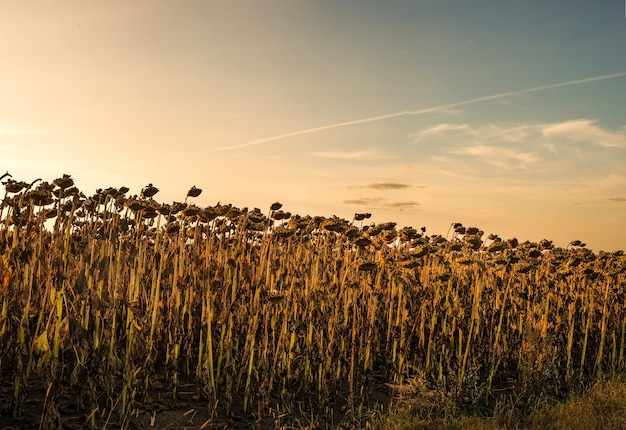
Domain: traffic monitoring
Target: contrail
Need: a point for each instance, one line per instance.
(515, 93)
(408, 113)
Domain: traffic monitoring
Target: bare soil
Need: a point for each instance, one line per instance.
(159, 410)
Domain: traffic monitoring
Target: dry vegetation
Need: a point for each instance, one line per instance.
(112, 306)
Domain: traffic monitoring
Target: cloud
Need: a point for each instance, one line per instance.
(518, 146)
(505, 132)
(412, 204)
(617, 199)
(586, 130)
(438, 129)
(384, 186)
(364, 201)
(382, 203)
(499, 157)
(440, 108)
(353, 155)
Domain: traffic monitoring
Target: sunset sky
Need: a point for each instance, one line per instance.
(506, 115)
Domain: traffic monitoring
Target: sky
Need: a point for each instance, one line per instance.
(505, 115)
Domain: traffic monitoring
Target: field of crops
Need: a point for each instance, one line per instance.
(121, 304)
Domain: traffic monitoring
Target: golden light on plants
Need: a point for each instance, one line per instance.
(118, 300)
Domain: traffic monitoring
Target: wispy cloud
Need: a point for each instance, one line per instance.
(364, 201)
(506, 132)
(439, 108)
(438, 129)
(617, 199)
(510, 146)
(579, 130)
(353, 155)
(384, 186)
(382, 203)
(497, 156)
(586, 130)
(412, 204)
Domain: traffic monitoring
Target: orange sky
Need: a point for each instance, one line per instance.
(509, 117)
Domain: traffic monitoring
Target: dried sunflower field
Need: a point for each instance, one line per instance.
(113, 307)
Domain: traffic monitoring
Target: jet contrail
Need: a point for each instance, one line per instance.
(408, 113)
(515, 93)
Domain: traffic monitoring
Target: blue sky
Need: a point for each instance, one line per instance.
(332, 107)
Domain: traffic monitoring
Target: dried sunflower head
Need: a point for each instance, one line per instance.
(63, 182)
(352, 232)
(191, 210)
(283, 232)
(149, 191)
(135, 205)
(194, 192)
(363, 242)
(12, 186)
(407, 233)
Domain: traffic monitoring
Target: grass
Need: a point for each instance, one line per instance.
(603, 406)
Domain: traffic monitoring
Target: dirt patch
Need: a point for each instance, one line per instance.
(159, 410)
